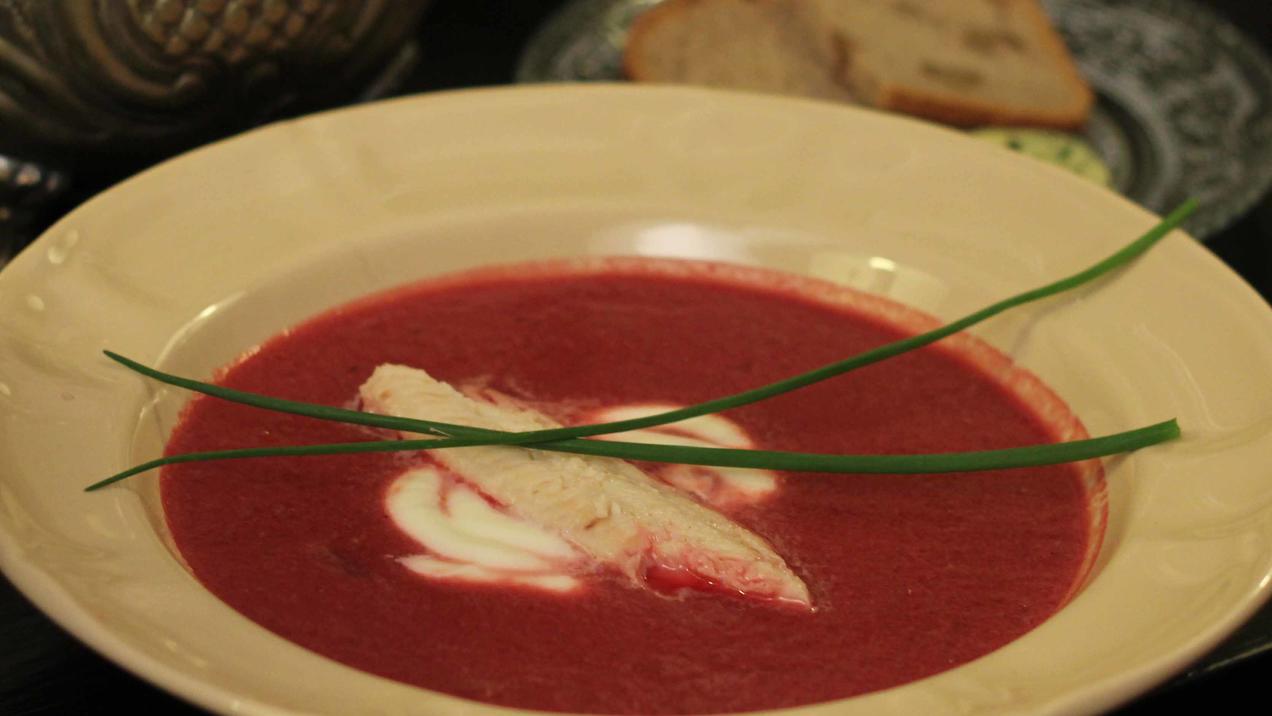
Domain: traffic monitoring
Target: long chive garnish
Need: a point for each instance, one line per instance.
(563, 439)
(1121, 258)
(322, 412)
(1028, 456)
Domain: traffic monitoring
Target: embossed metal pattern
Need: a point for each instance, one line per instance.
(120, 75)
(24, 188)
(1185, 100)
(124, 82)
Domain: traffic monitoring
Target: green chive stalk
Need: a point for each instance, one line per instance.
(566, 439)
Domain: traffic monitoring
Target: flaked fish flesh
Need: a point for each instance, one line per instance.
(607, 508)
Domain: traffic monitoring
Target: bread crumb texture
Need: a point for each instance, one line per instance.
(961, 62)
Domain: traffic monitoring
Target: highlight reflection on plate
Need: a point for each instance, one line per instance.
(300, 216)
(1184, 100)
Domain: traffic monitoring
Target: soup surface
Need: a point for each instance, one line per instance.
(908, 575)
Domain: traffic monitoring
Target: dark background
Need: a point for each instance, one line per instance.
(469, 43)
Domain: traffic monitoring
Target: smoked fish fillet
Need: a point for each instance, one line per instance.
(607, 508)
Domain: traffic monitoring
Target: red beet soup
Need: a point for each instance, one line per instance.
(908, 575)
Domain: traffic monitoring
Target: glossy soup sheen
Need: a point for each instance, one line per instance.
(910, 575)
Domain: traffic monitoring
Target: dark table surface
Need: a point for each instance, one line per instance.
(467, 43)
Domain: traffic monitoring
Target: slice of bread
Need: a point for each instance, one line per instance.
(758, 45)
(962, 62)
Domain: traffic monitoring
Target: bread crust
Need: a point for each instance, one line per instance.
(647, 23)
(964, 112)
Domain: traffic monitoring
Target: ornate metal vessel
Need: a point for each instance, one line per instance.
(130, 79)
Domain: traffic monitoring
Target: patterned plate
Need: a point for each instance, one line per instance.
(1185, 100)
